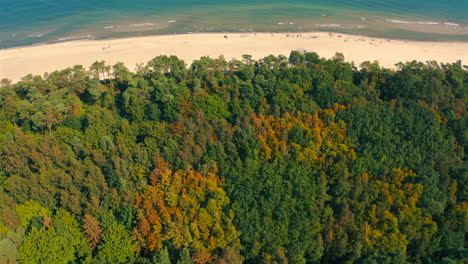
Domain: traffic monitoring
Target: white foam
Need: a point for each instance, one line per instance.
(412, 22)
(144, 25)
(291, 23)
(109, 27)
(451, 24)
(171, 21)
(75, 37)
(363, 19)
(360, 26)
(281, 23)
(37, 35)
(328, 25)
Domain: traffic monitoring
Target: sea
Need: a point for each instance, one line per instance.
(35, 22)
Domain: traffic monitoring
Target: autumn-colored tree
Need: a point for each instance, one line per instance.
(230, 256)
(303, 137)
(395, 219)
(185, 208)
(92, 231)
(202, 256)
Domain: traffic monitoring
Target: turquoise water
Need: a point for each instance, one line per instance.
(27, 22)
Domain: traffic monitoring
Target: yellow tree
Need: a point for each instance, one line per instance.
(395, 218)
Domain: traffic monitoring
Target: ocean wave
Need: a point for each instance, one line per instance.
(76, 37)
(412, 22)
(109, 27)
(37, 35)
(280, 23)
(144, 25)
(171, 21)
(451, 24)
(362, 18)
(327, 25)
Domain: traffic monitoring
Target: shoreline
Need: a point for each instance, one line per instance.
(227, 32)
(17, 62)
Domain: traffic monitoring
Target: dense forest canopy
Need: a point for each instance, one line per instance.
(280, 160)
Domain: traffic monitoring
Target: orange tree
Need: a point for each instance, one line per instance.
(183, 209)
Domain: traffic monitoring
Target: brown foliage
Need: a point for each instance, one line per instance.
(231, 255)
(46, 221)
(92, 231)
(202, 256)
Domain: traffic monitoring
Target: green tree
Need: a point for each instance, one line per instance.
(8, 251)
(45, 246)
(162, 257)
(116, 246)
(99, 69)
(184, 257)
(68, 228)
(29, 210)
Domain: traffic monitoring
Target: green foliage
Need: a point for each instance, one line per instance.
(162, 257)
(29, 210)
(68, 228)
(45, 245)
(9, 245)
(94, 89)
(184, 257)
(116, 246)
(293, 159)
(8, 251)
(212, 106)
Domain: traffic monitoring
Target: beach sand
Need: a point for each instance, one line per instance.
(17, 62)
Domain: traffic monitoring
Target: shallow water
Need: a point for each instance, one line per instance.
(26, 22)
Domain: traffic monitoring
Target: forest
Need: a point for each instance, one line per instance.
(295, 159)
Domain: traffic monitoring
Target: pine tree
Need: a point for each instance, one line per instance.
(184, 257)
(162, 257)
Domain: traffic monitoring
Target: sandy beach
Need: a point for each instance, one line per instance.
(17, 62)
